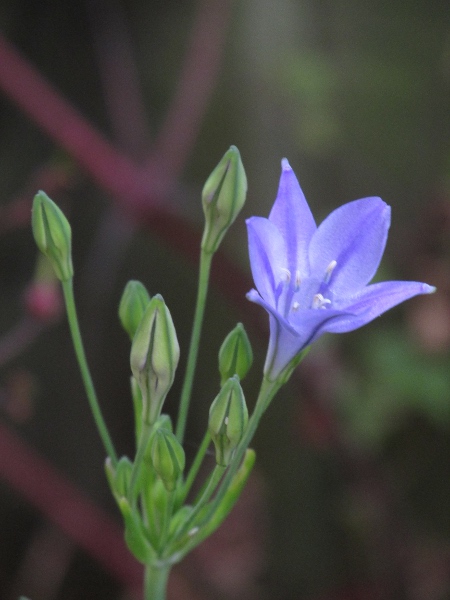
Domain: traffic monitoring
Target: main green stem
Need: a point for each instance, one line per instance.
(67, 287)
(155, 582)
(205, 269)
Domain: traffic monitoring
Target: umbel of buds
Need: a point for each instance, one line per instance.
(235, 354)
(167, 457)
(154, 357)
(53, 235)
(228, 417)
(133, 304)
(223, 197)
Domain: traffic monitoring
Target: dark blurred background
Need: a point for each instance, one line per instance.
(350, 499)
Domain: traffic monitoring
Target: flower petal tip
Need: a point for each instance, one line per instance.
(252, 295)
(285, 165)
(428, 289)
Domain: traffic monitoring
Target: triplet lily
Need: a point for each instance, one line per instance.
(313, 280)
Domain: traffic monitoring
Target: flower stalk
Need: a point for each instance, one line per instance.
(202, 292)
(72, 317)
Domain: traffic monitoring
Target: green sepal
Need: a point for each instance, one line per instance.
(164, 422)
(155, 500)
(228, 417)
(235, 354)
(154, 357)
(123, 476)
(168, 457)
(159, 496)
(133, 303)
(223, 197)
(119, 478)
(179, 518)
(53, 235)
(135, 535)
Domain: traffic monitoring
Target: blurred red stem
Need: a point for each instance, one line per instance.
(119, 75)
(40, 484)
(112, 170)
(195, 86)
(51, 112)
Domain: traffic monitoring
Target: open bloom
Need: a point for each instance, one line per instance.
(313, 280)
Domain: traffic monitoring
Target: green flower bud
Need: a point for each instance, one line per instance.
(164, 422)
(167, 457)
(228, 417)
(136, 534)
(180, 517)
(223, 197)
(53, 235)
(133, 303)
(154, 357)
(235, 354)
(120, 477)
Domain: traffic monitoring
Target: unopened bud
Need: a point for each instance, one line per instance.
(154, 357)
(53, 235)
(235, 354)
(223, 197)
(133, 303)
(228, 417)
(167, 457)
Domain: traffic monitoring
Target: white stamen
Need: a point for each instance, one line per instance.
(193, 531)
(329, 270)
(295, 306)
(319, 301)
(286, 275)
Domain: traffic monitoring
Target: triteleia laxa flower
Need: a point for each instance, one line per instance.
(313, 280)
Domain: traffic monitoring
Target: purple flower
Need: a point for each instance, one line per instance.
(313, 280)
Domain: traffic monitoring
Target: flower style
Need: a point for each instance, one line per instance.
(313, 280)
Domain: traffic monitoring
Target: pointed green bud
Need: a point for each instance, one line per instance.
(135, 533)
(180, 517)
(53, 235)
(133, 303)
(235, 354)
(164, 422)
(119, 478)
(167, 457)
(223, 197)
(228, 417)
(154, 357)
(123, 476)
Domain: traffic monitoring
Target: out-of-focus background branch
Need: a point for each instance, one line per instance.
(120, 110)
